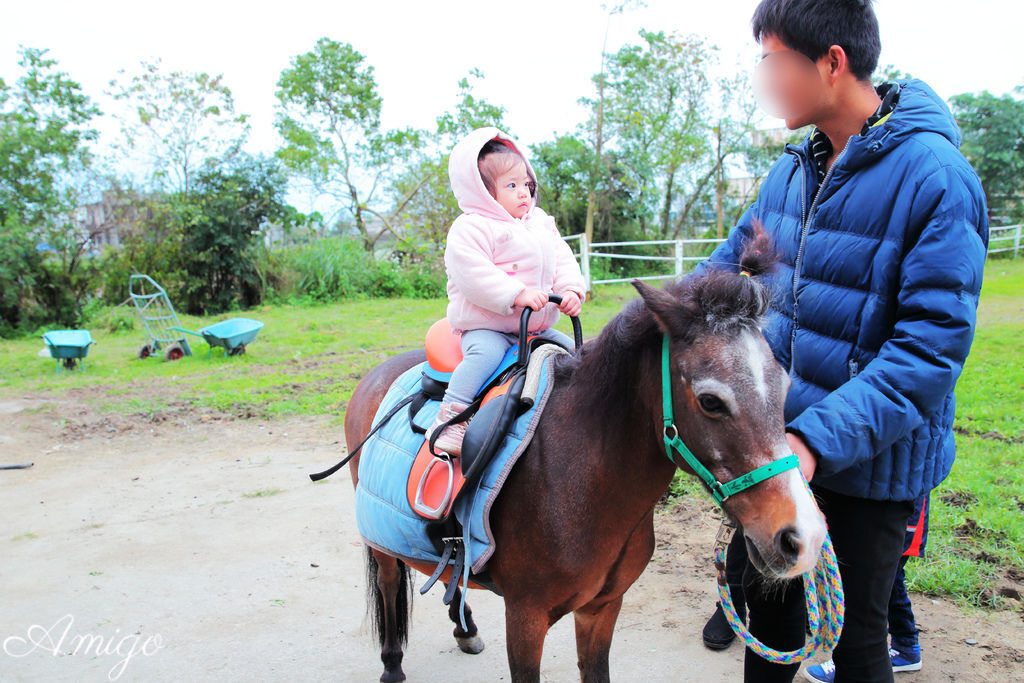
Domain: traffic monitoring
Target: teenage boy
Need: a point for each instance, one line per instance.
(882, 229)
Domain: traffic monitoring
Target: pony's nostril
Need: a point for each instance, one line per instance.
(788, 544)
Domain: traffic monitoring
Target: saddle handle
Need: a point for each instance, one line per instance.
(524, 322)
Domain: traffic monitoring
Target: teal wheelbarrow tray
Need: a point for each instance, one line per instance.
(232, 335)
(68, 347)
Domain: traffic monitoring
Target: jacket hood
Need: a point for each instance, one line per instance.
(919, 110)
(464, 174)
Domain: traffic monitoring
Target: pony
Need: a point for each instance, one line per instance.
(574, 523)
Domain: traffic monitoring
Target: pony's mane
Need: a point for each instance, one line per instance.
(716, 302)
(719, 301)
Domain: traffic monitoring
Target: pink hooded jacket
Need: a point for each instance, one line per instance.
(491, 257)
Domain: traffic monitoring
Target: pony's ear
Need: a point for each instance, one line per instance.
(669, 312)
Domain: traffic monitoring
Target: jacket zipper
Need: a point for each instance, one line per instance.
(804, 229)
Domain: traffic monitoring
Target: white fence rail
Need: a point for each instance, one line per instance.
(1002, 239)
(1005, 239)
(678, 259)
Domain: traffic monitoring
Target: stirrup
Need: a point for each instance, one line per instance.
(420, 505)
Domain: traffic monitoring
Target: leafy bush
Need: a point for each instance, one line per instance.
(336, 268)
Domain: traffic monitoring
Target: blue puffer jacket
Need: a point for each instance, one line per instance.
(875, 298)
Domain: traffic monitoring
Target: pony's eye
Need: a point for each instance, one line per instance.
(712, 404)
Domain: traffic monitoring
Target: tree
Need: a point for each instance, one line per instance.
(223, 218)
(564, 166)
(177, 121)
(426, 219)
(598, 165)
(45, 129)
(652, 114)
(993, 141)
(329, 117)
(151, 230)
(470, 112)
(21, 266)
(729, 116)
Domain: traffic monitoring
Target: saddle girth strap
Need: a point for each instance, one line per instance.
(458, 566)
(446, 555)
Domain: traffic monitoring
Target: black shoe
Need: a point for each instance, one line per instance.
(718, 635)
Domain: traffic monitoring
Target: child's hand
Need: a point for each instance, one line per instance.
(571, 304)
(531, 298)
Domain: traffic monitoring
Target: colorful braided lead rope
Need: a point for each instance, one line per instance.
(823, 593)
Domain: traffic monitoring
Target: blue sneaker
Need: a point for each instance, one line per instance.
(905, 661)
(901, 661)
(821, 673)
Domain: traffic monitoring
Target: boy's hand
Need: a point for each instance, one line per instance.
(571, 304)
(808, 461)
(531, 298)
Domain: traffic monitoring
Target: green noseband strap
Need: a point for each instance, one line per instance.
(719, 491)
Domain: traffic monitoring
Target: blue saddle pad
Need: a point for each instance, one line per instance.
(386, 520)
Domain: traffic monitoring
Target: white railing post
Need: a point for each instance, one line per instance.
(585, 262)
(679, 259)
(1016, 239)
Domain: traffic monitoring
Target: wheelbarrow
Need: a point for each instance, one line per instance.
(68, 347)
(232, 335)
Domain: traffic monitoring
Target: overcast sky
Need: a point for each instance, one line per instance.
(538, 55)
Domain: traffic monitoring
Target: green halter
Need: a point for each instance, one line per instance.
(719, 491)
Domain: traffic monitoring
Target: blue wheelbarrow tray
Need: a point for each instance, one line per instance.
(68, 343)
(68, 346)
(232, 332)
(232, 335)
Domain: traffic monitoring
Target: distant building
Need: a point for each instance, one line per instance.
(107, 222)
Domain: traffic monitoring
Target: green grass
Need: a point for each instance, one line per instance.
(976, 535)
(308, 359)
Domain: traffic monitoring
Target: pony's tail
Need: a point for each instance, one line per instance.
(375, 607)
(759, 254)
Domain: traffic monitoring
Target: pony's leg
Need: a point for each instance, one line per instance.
(595, 624)
(595, 621)
(389, 591)
(468, 640)
(525, 628)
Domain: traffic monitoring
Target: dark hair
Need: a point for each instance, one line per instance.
(496, 157)
(811, 27)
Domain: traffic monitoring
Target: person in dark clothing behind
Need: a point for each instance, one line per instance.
(882, 230)
(904, 650)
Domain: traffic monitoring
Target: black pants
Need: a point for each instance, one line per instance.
(868, 539)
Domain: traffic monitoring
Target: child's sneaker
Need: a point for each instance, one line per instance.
(450, 438)
(901, 661)
(821, 673)
(906, 660)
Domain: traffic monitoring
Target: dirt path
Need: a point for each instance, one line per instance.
(198, 547)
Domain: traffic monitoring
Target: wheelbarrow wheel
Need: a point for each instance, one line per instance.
(237, 351)
(70, 363)
(173, 352)
(145, 351)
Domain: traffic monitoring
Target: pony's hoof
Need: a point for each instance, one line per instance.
(392, 676)
(473, 645)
